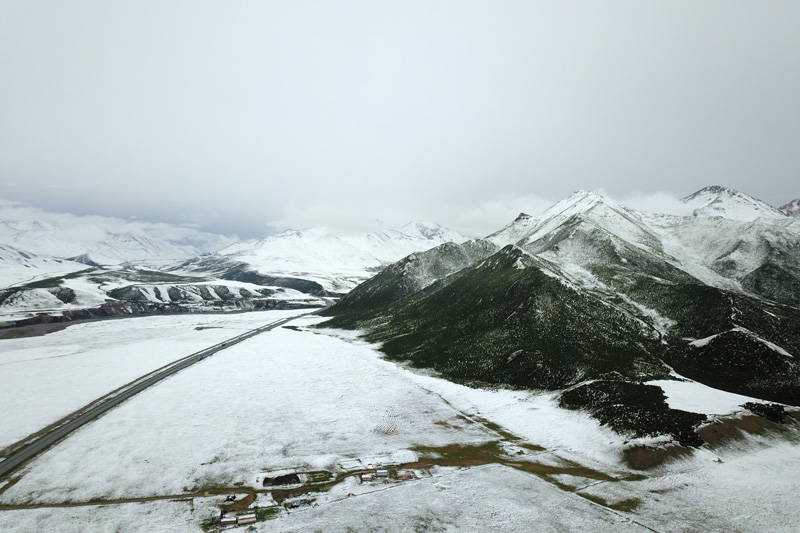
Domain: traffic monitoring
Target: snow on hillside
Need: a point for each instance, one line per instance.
(96, 239)
(731, 204)
(19, 266)
(337, 263)
(729, 236)
(513, 232)
(98, 244)
(600, 212)
(792, 209)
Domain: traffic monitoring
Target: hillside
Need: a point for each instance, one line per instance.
(597, 300)
(316, 260)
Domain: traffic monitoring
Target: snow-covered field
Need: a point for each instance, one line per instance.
(305, 400)
(689, 395)
(46, 378)
(282, 400)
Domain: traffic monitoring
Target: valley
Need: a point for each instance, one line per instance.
(171, 454)
(591, 367)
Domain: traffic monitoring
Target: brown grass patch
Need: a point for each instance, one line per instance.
(730, 429)
(13, 334)
(645, 457)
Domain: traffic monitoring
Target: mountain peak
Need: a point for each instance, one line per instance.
(792, 209)
(713, 190)
(578, 202)
(430, 231)
(729, 203)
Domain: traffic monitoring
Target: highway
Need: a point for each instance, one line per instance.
(98, 407)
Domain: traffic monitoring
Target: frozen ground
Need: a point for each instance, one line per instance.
(149, 517)
(698, 398)
(48, 377)
(303, 400)
(282, 400)
(488, 498)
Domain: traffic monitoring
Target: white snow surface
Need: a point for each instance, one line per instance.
(103, 240)
(306, 400)
(792, 209)
(716, 201)
(719, 246)
(281, 400)
(91, 291)
(20, 266)
(695, 397)
(337, 263)
(51, 376)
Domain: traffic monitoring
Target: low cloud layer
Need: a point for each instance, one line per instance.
(245, 117)
(66, 232)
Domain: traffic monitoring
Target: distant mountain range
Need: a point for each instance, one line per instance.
(589, 298)
(596, 300)
(315, 260)
(55, 267)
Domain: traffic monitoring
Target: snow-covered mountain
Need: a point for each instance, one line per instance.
(18, 266)
(597, 299)
(98, 245)
(792, 209)
(45, 244)
(729, 203)
(317, 260)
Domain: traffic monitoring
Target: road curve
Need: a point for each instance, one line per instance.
(37, 446)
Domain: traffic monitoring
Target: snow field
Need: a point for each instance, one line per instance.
(161, 516)
(316, 400)
(698, 398)
(285, 399)
(486, 498)
(750, 486)
(48, 377)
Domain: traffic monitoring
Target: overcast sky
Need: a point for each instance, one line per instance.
(247, 117)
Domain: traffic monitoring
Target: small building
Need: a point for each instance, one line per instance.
(228, 520)
(382, 473)
(367, 478)
(248, 518)
(405, 474)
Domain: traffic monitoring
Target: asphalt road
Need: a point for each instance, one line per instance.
(29, 451)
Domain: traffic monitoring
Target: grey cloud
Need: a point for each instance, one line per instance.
(243, 116)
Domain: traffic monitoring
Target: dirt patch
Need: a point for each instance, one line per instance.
(645, 457)
(239, 504)
(729, 429)
(491, 453)
(14, 334)
(35, 330)
(548, 470)
(9, 485)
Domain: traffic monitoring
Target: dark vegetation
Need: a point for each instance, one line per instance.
(286, 479)
(510, 319)
(634, 408)
(771, 411)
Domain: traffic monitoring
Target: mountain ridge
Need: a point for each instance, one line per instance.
(589, 280)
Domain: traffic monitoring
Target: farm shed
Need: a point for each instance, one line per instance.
(248, 518)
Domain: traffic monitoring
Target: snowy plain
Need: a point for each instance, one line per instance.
(51, 376)
(299, 399)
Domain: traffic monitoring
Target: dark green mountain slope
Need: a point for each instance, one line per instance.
(594, 300)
